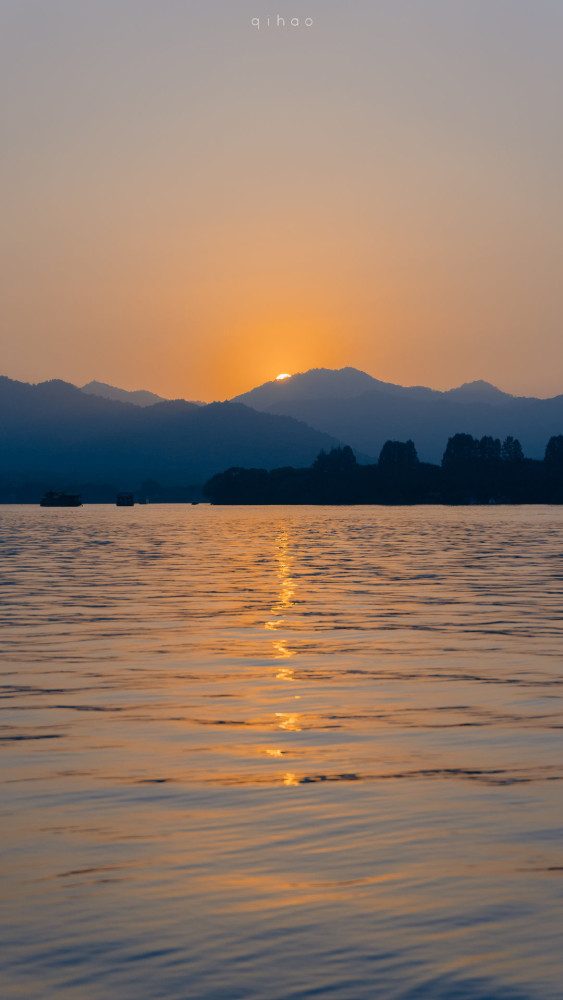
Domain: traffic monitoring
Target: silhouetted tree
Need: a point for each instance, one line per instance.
(398, 455)
(511, 451)
(339, 461)
(472, 471)
(489, 449)
(461, 450)
(554, 452)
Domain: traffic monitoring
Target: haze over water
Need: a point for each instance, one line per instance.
(281, 753)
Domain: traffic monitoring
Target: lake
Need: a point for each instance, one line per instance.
(282, 752)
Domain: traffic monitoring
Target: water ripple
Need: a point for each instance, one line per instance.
(281, 753)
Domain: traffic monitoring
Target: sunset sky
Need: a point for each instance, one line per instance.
(192, 205)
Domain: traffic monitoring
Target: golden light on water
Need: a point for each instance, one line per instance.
(285, 601)
(287, 585)
(281, 652)
(285, 674)
(290, 779)
(288, 721)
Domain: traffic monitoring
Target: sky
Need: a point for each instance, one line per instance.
(193, 204)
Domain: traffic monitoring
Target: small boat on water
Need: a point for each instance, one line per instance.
(125, 500)
(57, 498)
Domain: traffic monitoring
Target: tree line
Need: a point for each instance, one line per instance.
(472, 471)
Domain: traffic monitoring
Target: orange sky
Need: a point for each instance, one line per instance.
(192, 207)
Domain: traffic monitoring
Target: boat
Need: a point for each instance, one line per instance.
(57, 498)
(125, 500)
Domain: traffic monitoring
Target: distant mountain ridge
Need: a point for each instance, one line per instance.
(140, 397)
(364, 412)
(61, 435)
(55, 433)
(480, 391)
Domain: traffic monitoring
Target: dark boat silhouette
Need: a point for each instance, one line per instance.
(125, 500)
(57, 498)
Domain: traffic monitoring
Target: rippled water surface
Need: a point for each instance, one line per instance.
(281, 753)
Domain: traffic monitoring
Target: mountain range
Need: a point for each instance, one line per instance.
(60, 435)
(364, 412)
(55, 434)
(140, 397)
(357, 409)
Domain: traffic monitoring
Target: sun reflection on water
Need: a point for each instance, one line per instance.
(287, 583)
(285, 674)
(281, 652)
(290, 779)
(289, 721)
(285, 601)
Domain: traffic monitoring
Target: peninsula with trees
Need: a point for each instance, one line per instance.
(472, 471)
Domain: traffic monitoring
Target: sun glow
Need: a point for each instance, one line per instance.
(279, 378)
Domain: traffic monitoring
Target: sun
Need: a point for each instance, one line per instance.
(282, 376)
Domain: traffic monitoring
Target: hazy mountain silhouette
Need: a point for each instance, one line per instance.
(478, 392)
(365, 412)
(57, 434)
(140, 397)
